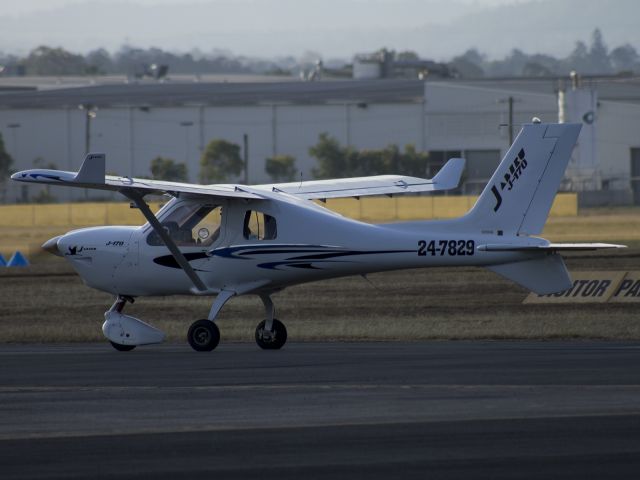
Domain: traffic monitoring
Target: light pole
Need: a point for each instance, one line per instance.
(90, 113)
(14, 144)
(14, 137)
(245, 154)
(509, 101)
(187, 124)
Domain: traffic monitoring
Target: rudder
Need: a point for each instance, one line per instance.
(520, 193)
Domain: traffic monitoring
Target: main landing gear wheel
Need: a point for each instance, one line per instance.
(122, 348)
(273, 340)
(203, 335)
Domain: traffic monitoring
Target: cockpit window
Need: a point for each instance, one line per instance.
(259, 226)
(190, 225)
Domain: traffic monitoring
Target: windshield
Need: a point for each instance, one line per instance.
(190, 225)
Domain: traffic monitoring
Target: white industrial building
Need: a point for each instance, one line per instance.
(134, 123)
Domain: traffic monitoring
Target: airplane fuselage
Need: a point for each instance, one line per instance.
(312, 243)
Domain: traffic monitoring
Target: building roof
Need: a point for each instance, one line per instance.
(241, 92)
(621, 89)
(222, 94)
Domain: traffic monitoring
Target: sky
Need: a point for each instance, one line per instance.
(12, 7)
(331, 29)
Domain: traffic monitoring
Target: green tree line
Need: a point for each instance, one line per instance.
(222, 162)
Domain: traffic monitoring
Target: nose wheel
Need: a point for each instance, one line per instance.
(122, 348)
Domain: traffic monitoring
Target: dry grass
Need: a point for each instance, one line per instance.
(596, 225)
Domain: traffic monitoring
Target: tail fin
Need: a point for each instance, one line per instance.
(519, 196)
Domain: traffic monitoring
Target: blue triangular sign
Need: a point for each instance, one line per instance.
(3, 262)
(17, 260)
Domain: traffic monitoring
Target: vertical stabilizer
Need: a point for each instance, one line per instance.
(519, 196)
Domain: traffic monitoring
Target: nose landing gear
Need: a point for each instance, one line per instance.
(126, 332)
(118, 306)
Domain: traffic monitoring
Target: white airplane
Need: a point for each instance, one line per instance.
(232, 240)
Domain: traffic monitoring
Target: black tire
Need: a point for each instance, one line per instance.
(122, 348)
(203, 335)
(278, 335)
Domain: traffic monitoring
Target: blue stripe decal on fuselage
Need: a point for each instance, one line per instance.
(313, 256)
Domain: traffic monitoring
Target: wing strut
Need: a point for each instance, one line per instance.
(168, 241)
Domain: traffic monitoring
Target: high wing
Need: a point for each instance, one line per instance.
(446, 179)
(92, 175)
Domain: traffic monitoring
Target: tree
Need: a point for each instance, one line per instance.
(470, 64)
(599, 54)
(219, 160)
(407, 55)
(99, 62)
(335, 161)
(5, 161)
(281, 168)
(578, 60)
(332, 158)
(624, 59)
(168, 169)
(5, 166)
(412, 162)
(54, 61)
(534, 69)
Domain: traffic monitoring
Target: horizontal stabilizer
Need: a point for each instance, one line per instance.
(553, 247)
(543, 275)
(446, 179)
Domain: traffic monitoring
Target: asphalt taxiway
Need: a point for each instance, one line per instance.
(342, 410)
